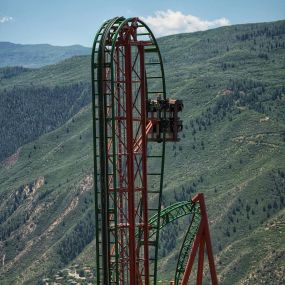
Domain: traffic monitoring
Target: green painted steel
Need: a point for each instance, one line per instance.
(112, 34)
(110, 30)
(187, 245)
(172, 213)
(98, 53)
(161, 217)
(94, 59)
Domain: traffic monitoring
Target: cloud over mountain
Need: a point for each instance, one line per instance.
(173, 22)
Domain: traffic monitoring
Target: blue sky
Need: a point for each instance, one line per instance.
(66, 22)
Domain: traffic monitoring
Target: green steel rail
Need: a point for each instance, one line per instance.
(94, 71)
(155, 49)
(187, 245)
(110, 31)
(170, 214)
(98, 101)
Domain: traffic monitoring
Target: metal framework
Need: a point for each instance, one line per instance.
(131, 112)
(200, 239)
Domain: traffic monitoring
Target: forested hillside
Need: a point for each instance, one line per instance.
(27, 113)
(37, 55)
(31, 103)
(232, 148)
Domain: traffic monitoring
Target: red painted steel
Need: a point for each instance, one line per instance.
(201, 261)
(202, 238)
(130, 166)
(127, 135)
(131, 127)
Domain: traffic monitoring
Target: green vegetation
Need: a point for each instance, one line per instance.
(35, 101)
(37, 55)
(28, 112)
(232, 148)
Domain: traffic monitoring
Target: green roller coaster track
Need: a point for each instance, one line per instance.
(170, 214)
(109, 32)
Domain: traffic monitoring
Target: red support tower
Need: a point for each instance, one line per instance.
(130, 112)
(202, 239)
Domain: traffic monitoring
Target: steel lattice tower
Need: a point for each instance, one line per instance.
(130, 113)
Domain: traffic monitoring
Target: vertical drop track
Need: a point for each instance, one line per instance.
(132, 119)
(126, 71)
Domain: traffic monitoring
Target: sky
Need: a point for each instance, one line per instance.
(67, 22)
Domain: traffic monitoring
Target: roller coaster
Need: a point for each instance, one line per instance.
(132, 122)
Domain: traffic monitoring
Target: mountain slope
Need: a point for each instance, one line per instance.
(35, 101)
(232, 148)
(37, 55)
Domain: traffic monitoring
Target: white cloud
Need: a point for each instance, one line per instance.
(173, 22)
(4, 19)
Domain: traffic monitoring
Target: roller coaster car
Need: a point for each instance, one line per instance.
(164, 117)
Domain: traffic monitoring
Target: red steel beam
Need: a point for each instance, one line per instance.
(130, 165)
(202, 238)
(201, 261)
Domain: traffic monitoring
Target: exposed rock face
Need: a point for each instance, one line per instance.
(11, 160)
(86, 183)
(30, 189)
